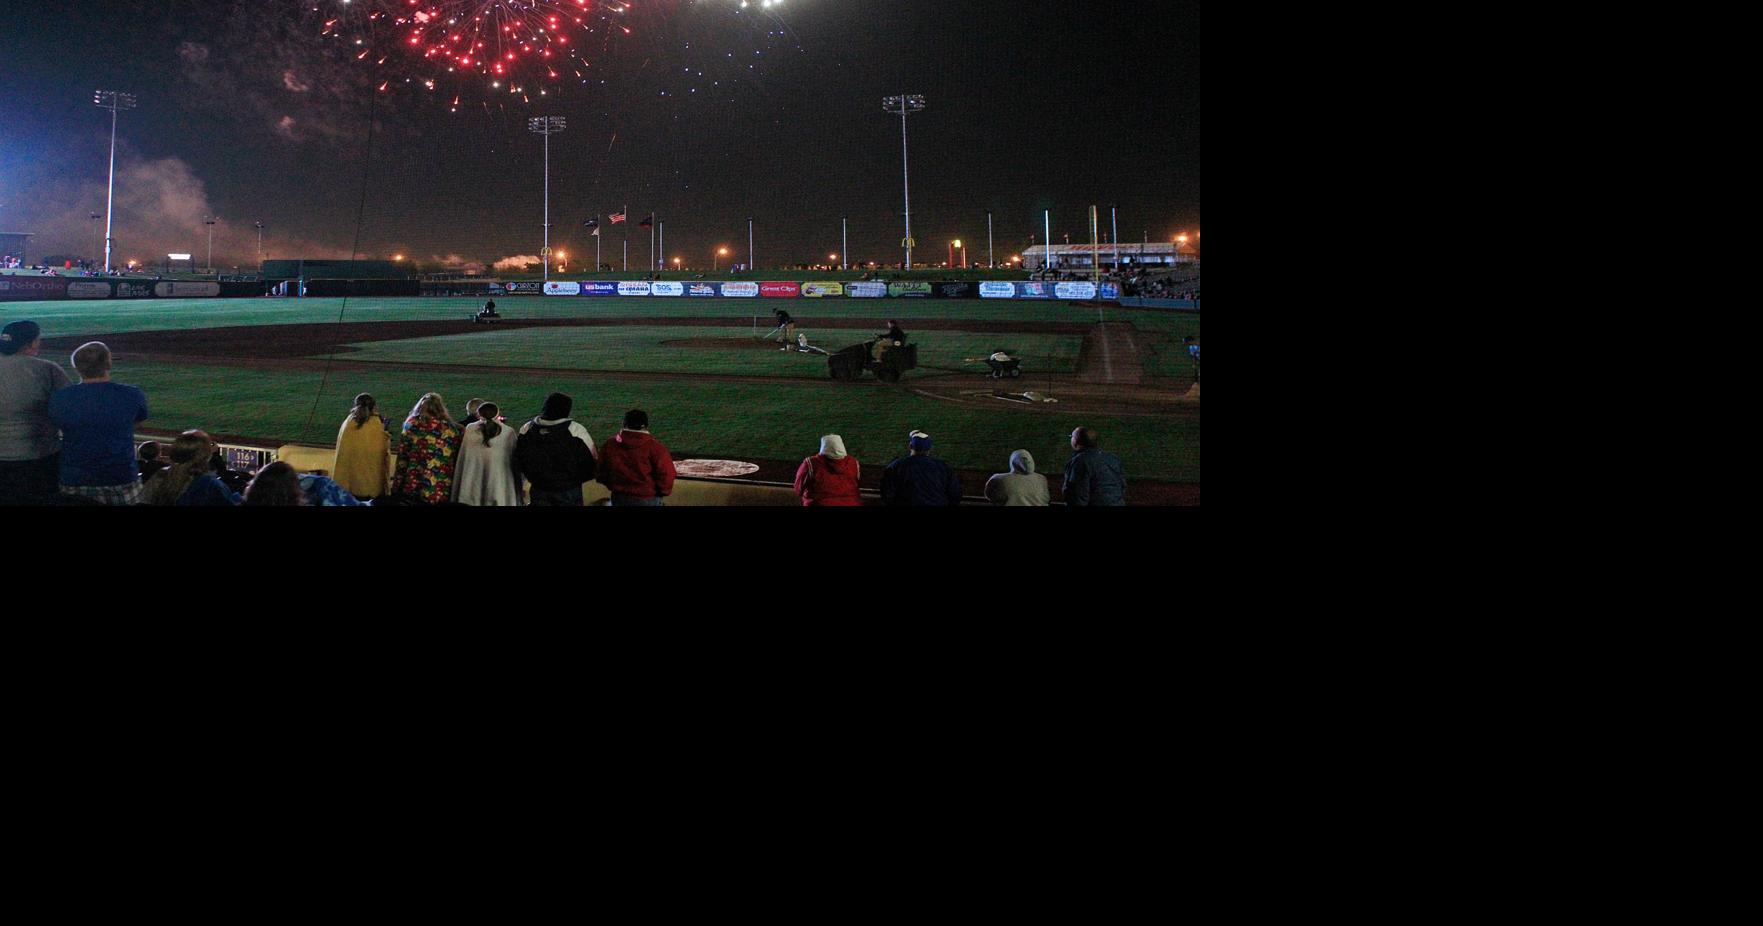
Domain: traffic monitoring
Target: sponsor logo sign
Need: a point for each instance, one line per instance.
(563, 289)
(780, 290)
(186, 290)
(866, 290)
(909, 290)
(741, 290)
(136, 290)
(667, 289)
(599, 289)
(633, 289)
(88, 290)
(517, 289)
(29, 288)
(1110, 290)
(1074, 290)
(996, 290)
(1036, 290)
(952, 290)
(701, 290)
(820, 290)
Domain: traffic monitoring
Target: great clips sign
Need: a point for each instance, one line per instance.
(780, 290)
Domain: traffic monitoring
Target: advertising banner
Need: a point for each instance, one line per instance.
(741, 290)
(1035, 290)
(781, 290)
(996, 290)
(523, 289)
(667, 289)
(128, 290)
(820, 290)
(909, 290)
(23, 288)
(633, 289)
(866, 290)
(170, 290)
(87, 289)
(563, 289)
(1110, 290)
(1074, 290)
(701, 290)
(599, 289)
(952, 290)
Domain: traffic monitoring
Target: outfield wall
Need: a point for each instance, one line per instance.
(795, 289)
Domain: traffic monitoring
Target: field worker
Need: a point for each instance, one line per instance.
(1194, 352)
(788, 325)
(894, 337)
(30, 445)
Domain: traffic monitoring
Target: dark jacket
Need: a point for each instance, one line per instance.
(1095, 478)
(920, 481)
(636, 465)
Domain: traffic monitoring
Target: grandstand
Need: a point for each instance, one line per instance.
(1085, 256)
(13, 245)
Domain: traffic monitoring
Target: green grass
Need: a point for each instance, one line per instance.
(738, 421)
(654, 349)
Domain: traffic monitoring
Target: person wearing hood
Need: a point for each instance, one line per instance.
(829, 478)
(636, 467)
(1021, 486)
(555, 454)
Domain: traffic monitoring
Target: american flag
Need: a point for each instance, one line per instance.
(617, 217)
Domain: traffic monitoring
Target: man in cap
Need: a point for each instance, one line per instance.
(636, 467)
(97, 420)
(30, 444)
(919, 479)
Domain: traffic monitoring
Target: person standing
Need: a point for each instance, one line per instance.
(636, 467)
(555, 454)
(1094, 478)
(363, 450)
(486, 463)
(788, 326)
(30, 444)
(426, 453)
(919, 479)
(97, 420)
(829, 479)
(1021, 486)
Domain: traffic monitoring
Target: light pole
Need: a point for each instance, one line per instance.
(113, 101)
(210, 223)
(547, 126)
(905, 105)
(990, 263)
(95, 217)
(749, 244)
(716, 261)
(845, 242)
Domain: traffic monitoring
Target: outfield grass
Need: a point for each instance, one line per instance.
(657, 350)
(750, 421)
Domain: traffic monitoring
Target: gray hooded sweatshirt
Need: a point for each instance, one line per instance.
(1021, 486)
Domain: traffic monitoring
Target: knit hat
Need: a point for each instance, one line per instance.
(18, 336)
(557, 406)
(832, 446)
(918, 440)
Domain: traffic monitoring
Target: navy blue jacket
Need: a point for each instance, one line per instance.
(1095, 478)
(920, 481)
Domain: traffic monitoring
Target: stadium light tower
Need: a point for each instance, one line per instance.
(95, 217)
(905, 105)
(547, 126)
(260, 242)
(210, 223)
(113, 101)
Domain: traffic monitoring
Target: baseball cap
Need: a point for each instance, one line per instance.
(918, 440)
(18, 336)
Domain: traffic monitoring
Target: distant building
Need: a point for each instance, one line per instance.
(1132, 255)
(14, 244)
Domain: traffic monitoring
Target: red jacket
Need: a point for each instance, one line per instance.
(635, 465)
(824, 482)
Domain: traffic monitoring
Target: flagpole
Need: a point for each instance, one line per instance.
(661, 229)
(596, 244)
(627, 237)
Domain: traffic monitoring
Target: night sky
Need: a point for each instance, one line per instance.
(703, 113)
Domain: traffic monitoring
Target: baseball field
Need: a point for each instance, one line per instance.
(286, 371)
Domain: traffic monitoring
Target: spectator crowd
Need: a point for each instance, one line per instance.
(73, 443)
